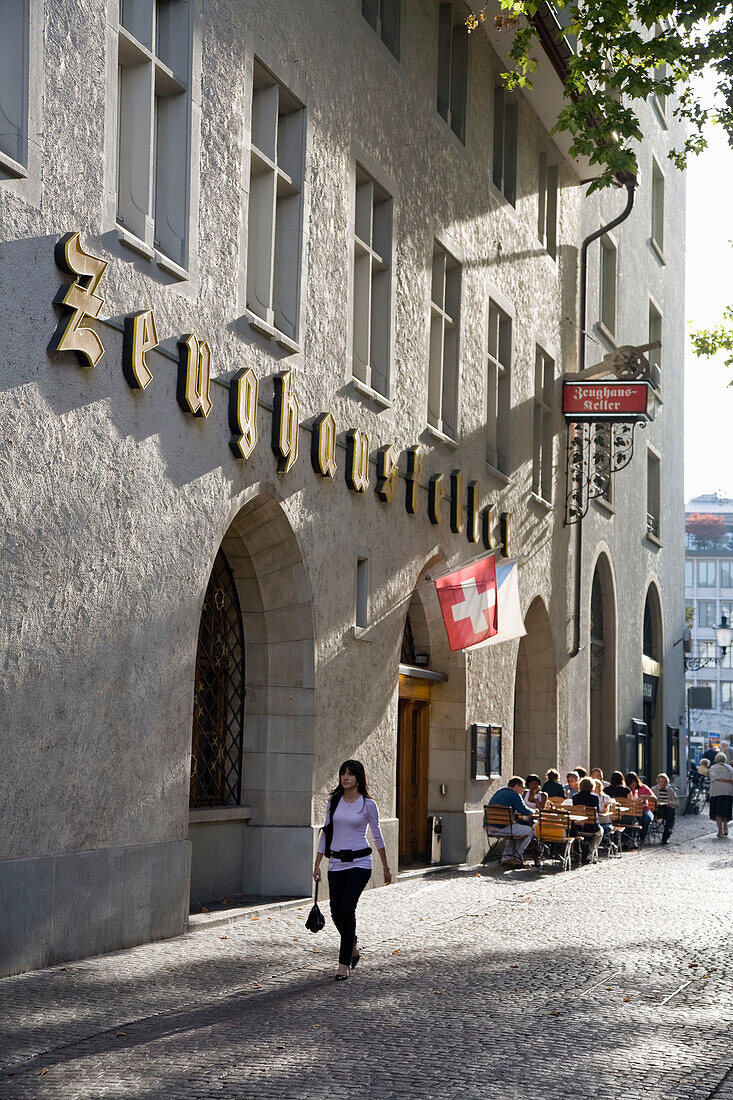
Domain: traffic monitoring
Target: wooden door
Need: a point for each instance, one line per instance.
(412, 780)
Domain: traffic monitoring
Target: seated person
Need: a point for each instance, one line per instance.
(597, 773)
(580, 772)
(640, 790)
(521, 833)
(606, 805)
(552, 786)
(592, 833)
(667, 803)
(571, 787)
(617, 786)
(534, 799)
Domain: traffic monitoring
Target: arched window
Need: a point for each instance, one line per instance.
(597, 637)
(218, 703)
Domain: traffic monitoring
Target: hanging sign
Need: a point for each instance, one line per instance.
(608, 401)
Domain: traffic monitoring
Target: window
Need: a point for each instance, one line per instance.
(544, 380)
(218, 701)
(706, 574)
(275, 204)
(706, 613)
(362, 592)
(153, 124)
(727, 661)
(660, 74)
(653, 466)
(726, 694)
(15, 19)
(726, 574)
(655, 355)
(708, 650)
(726, 608)
(547, 205)
(383, 16)
(452, 69)
(504, 173)
(498, 388)
(445, 302)
(372, 250)
(657, 223)
(609, 266)
(689, 574)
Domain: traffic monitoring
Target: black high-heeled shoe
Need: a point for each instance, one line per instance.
(340, 977)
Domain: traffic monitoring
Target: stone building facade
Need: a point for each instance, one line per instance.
(334, 214)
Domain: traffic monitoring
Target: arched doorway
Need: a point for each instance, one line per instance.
(252, 723)
(535, 696)
(649, 742)
(602, 656)
(413, 737)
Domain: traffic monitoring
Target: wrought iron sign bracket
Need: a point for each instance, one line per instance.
(595, 452)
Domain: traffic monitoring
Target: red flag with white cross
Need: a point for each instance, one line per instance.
(468, 602)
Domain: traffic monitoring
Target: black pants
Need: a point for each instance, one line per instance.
(345, 889)
(667, 814)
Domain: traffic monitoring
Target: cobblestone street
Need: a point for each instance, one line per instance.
(612, 981)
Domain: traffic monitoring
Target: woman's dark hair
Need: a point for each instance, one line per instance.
(357, 770)
(581, 773)
(617, 779)
(632, 777)
(532, 779)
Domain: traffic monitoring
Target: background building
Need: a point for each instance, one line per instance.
(213, 594)
(709, 596)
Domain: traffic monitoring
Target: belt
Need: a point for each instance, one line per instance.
(346, 855)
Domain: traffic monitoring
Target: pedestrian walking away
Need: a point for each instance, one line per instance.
(721, 793)
(343, 841)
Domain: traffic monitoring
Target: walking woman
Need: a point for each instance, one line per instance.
(721, 793)
(343, 841)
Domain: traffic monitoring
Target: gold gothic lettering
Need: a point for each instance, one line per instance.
(387, 472)
(357, 460)
(80, 301)
(436, 492)
(323, 445)
(412, 479)
(194, 376)
(243, 413)
(285, 426)
(140, 337)
(456, 501)
(505, 527)
(488, 523)
(472, 523)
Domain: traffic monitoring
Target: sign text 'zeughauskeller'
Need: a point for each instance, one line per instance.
(80, 301)
(628, 401)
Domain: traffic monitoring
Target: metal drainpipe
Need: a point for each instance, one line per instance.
(629, 182)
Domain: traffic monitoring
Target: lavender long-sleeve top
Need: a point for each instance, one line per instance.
(349, 831)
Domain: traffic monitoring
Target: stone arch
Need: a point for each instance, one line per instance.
(535, 695)
(603, 708)
(446, 713)
(652, 660)
(264, 846)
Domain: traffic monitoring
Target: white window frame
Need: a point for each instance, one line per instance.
(444, 343)
(362, 582)
(21, 99)
(547, 203)
(653, 493)
(505, 144)
(452, 68)
(499, 363)
(656, 331)
(275, 214)
(726, 689)
(153, 185)
(371, 284)
(543, 433)
(690, 573)
(659, 99)
(657, 202)
(700, 623)
(707, 562)
(608, 286)
(727, 565)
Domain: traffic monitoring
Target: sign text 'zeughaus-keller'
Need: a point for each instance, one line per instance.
(80, 301)
(628, 401)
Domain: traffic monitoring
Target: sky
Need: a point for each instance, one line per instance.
(709, 289)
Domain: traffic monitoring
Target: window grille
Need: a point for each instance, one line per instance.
(218, 708)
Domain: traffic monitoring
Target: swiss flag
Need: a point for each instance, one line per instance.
(468, 602)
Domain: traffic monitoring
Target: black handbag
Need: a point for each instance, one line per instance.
(316, 920)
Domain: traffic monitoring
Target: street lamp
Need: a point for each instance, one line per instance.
(723, 637)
